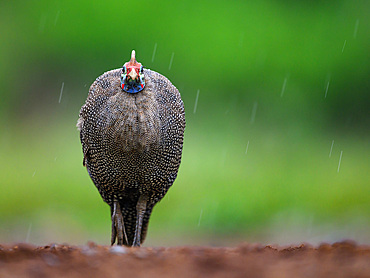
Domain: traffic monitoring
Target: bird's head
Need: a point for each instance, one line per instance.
(132, 76)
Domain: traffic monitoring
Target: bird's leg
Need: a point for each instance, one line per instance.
(140, 209)
(118, 227)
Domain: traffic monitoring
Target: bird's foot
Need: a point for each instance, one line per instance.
(118, 227)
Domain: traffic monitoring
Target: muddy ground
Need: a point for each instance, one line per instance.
(343, 259)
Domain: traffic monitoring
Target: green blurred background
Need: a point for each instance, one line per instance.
(276, 149)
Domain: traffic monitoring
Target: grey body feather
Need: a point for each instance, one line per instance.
(132, 143)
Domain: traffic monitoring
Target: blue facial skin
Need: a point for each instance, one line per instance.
(132, 86)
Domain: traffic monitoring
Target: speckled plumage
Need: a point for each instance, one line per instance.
(132, 143)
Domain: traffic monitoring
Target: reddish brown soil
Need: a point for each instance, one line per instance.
(344, 259)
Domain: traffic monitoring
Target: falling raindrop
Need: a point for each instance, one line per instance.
(169, 67)
(154, 51)
(328, 78)
(340, 159)
(331, 148)
(33, 174)
(200, 217)
(28, 232)
(246, 150)
(356, 28)
(344, 45)
(327, 88)
(196, 102)
(284, 85)
(55, 159)
(254, 111)
(61, 92)
(56, 18)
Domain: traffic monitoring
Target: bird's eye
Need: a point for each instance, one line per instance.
(141, 69)
(124, 70)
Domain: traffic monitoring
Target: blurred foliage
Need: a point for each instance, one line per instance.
(284, 78)
(232, 51)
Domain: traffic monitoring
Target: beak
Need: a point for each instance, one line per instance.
(133, 75)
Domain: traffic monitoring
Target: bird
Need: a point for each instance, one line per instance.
(132, 131)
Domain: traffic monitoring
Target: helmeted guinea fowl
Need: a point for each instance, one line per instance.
(131, 130)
